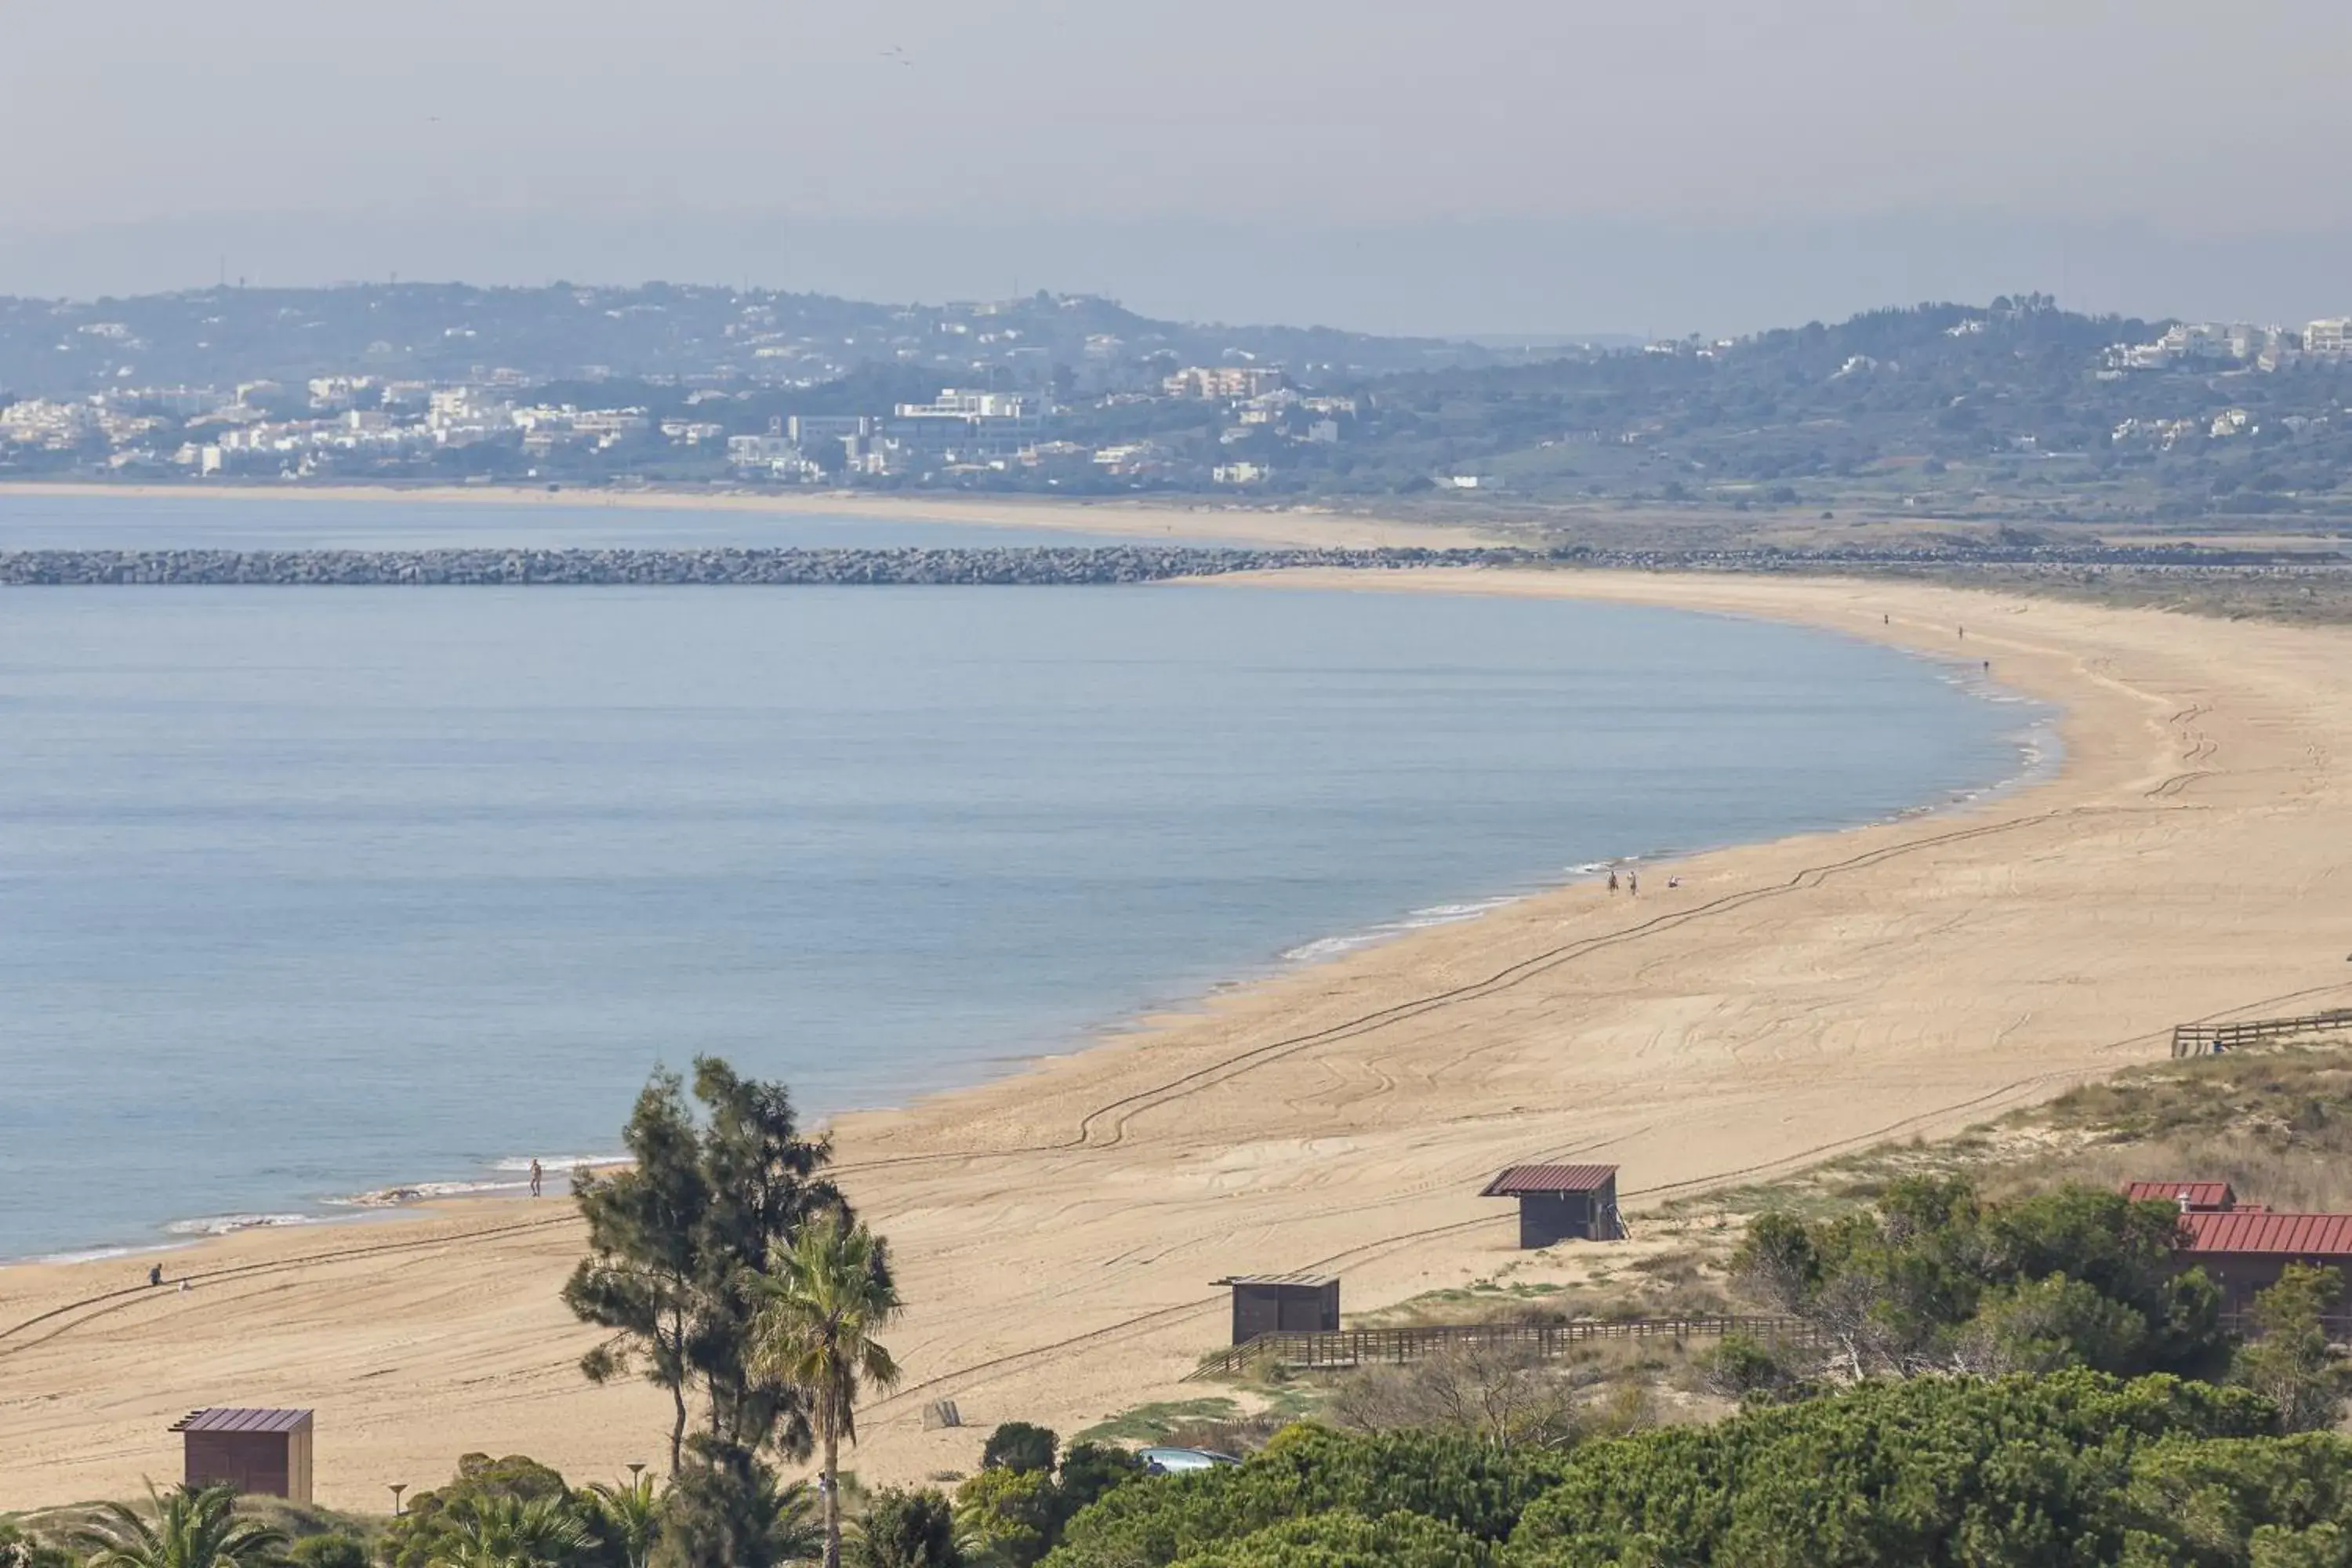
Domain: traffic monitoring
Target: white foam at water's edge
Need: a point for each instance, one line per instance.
(555, 1165)
(92, 1255)
(230, 1224)
(1387, 930)
(558, 1162)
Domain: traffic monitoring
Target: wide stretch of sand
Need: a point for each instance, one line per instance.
(1302, 527)
(1057, 1231)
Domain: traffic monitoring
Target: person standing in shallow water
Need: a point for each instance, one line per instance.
(535, 1175)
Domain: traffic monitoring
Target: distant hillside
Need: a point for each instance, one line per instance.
(2014, 411)
(451, 332)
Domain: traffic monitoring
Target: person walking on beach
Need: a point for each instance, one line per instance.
(1632, 882)
(535, 1174)
(155, 1275)
(1612, 881)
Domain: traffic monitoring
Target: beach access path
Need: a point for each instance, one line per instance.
(1057, 1231)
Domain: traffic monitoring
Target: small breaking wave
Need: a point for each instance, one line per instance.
(513, 1171)
(1389, 930)
(420, 1192)
(558, 1162)
(231, 1223)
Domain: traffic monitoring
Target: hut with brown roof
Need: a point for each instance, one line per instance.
(267, 1452)
(1284, 1304)
(1561, 1203)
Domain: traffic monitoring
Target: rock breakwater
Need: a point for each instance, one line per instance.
(377, 568)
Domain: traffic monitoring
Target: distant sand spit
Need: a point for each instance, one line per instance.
(1303, 528)
(1057, 1230)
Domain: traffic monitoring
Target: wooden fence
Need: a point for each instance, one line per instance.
(1347, 1347)
(2212, 1039)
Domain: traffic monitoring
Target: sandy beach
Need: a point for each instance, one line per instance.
(1057, 1231)
(1300, 527)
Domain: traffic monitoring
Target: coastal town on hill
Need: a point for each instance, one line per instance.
(1947, 410)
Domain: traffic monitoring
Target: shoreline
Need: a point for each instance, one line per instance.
(2026, 764)
(1302, 528)
(2190, 858)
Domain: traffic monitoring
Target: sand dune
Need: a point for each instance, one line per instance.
(1057, 1230)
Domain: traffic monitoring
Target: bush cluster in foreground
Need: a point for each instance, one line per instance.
(2075, 1467)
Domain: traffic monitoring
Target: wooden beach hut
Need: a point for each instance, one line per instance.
(267, 1452)
(1560, 1203)
(1284, 1303)
(2244, 1251)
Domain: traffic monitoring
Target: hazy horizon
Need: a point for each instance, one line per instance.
(1503, 168)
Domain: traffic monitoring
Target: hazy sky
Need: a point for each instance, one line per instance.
(957, 148)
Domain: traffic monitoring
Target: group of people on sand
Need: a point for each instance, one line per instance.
(1632, 882)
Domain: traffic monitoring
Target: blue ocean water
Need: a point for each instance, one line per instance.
(307, 892)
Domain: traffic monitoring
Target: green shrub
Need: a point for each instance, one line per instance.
(1349, 1541)
(1089, 1471)
(2023, 1470)
(1739, 1365)
(1007, 1515)
(331, 1550)
(418, 1535)
(906, 1530)
(1018, 1445)
(1308, 1471)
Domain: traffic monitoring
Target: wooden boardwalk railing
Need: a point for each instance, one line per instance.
(1367, 1347)
(2212, 1039)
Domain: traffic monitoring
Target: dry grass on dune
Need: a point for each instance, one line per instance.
(2276, 1122)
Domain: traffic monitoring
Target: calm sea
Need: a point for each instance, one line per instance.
(306, 893)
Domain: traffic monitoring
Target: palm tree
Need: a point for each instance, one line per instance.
(628, 1516)
(194, 1527)
(795, 1537)
(830, 1295)
(509, 1533)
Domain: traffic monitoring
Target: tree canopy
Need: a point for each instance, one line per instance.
(1933, 1278)
(2074, 1467)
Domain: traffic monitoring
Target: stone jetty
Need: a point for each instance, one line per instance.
(1046, 565)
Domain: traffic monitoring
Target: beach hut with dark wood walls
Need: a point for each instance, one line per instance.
(1284, 1304)
(2244, 1251)
(1561, 1203)
(267, 1452)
